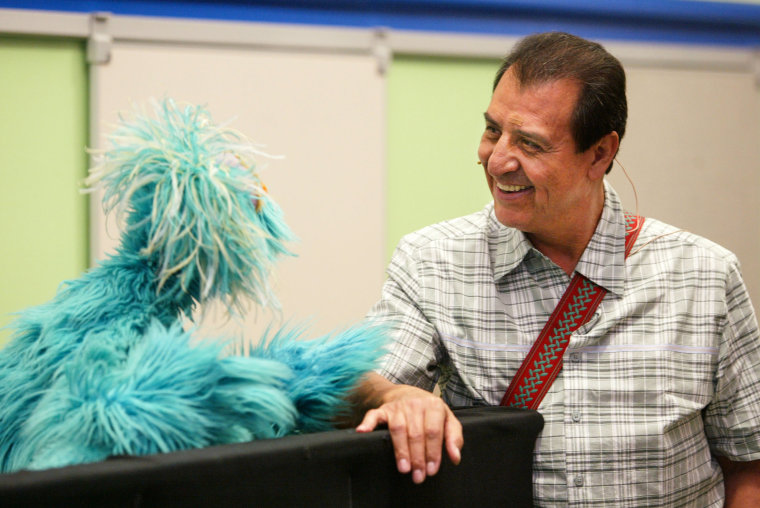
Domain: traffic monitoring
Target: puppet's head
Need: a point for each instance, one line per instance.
(192, 203)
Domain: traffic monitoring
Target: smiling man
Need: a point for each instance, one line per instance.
(657, 401)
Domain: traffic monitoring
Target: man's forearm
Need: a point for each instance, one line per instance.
(742, 482)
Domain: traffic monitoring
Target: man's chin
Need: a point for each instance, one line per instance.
(512, 222)
(510, 219)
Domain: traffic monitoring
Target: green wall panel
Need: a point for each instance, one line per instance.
(435, 118)
(43, 134)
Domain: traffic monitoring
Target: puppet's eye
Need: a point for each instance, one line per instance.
(258, 201)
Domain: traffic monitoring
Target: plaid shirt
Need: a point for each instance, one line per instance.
(666, 373)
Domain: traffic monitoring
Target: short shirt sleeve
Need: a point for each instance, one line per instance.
(412, 355)
(732, 419)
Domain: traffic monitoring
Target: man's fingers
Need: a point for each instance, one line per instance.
(420, 427)
(372, 419)
(434, 424)
(454, 438)
(415, 428)
(398, 428)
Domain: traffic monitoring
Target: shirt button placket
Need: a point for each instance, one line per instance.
(575, 430)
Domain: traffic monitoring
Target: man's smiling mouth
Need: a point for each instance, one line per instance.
(512, 188)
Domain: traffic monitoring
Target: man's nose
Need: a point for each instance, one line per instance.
(502, 158)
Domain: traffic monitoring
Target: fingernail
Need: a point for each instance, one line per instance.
(403, 466)
(431, 468)
(418, 476)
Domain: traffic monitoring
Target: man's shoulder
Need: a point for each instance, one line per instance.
(460, 229)
(668, 238)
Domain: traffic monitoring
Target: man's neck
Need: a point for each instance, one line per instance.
(566, 247)
(564, 256)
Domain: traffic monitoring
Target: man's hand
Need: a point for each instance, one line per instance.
(420, 425)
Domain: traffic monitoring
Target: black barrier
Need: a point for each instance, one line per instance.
(332, 469)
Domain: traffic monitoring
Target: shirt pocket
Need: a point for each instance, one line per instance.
(479, 371)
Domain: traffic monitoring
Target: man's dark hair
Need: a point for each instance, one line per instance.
(547, 57)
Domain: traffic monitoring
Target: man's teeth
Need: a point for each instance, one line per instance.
(512, 188)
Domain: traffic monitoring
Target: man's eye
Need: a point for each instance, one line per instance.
(531, 145)
(492, 130)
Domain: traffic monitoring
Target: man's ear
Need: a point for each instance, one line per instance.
(604, 152)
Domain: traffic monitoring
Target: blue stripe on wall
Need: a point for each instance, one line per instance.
(675, 21)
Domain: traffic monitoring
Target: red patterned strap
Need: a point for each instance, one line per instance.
(544, 361)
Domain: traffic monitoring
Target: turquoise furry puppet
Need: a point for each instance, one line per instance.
(105, 368)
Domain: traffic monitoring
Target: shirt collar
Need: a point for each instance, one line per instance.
(508, 246)
(603, 261)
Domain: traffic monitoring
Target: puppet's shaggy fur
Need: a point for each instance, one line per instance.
(105, 368)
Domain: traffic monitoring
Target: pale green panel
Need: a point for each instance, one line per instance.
(435, 119)
(43, 133)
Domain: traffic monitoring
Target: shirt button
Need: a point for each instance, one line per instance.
(576, 416)
(578, 480)
(575, 357)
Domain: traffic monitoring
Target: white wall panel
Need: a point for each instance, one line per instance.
(322, 111)
(692, 149)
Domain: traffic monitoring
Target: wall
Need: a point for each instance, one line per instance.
(46, 105)
(43, 132)
(435, 119)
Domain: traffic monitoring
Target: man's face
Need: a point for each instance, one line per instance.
(538, 181)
